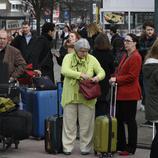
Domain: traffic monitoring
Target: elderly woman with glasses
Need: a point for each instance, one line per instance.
(76, 66)
(129, 92)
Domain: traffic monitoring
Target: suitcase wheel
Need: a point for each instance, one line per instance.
(105, 155)
(16, 142)
(95, 153)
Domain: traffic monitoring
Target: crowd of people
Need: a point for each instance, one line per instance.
(86, 52)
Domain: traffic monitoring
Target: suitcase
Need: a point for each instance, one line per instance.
(105, 133)
(53, 129)
(14, 126)
(41, 104)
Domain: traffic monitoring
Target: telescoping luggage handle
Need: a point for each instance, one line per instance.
(59, 87)
(113, 99)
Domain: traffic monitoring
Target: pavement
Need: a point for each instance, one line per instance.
(33, 148)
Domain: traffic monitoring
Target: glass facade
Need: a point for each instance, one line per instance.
(136, 22)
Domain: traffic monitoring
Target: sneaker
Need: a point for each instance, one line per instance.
(85, 153)
(66, 153)
(147, 124)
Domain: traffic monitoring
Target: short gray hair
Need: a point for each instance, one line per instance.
(81, 43)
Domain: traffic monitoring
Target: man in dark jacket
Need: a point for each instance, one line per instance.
(43, 56)
(25, 42)
(147, 39)
(11, 56)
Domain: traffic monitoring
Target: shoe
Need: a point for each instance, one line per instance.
(147, 124)
(84, 153)
(66, 153)
(123, 153)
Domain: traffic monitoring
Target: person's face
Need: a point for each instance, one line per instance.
(26, 29)
(3, 39)
(72, 38)
(51, 33)
(66, 29)
(149, 31)
(129, 44)
(82, 53)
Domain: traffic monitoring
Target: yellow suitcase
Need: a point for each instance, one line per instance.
(105, 132)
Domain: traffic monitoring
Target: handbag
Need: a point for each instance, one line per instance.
(89, 89)
(43, 83)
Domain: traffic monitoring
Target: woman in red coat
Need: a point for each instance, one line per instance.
(129, 92)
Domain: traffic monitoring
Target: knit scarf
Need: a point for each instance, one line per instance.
(80, 65)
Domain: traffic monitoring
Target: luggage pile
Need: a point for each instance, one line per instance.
(15, 124)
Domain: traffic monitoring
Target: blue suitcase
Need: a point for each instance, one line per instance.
(41, 104)
(44, 105)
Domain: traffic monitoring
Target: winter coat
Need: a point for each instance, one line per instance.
(127, 77)
(27, 50)
(15, 61)
(106, 61)
(150, 72)
(43, 56)
(72, 67)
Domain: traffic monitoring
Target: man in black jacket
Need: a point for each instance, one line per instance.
(43, 56)
(25, 42)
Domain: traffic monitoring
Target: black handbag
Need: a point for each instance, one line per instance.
(43, 83)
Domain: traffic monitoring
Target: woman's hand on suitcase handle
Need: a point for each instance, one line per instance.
(112, 80)
(38, 72)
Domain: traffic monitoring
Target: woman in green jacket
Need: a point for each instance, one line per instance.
(76, 66)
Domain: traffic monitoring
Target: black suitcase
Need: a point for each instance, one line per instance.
(53, 129)
(14, 126)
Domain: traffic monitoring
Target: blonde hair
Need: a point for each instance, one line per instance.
(93, 29)
(153, 51)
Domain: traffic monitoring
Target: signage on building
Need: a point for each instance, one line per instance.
(113, 17)
(3, 6)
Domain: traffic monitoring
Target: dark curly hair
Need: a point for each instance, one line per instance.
(48, 26)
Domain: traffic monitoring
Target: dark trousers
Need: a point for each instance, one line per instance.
(101, 108)
(154, 146)
(126, 114)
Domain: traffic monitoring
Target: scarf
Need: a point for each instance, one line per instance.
(80, 65)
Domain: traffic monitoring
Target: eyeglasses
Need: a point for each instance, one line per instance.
(127, 41)
(83, 51)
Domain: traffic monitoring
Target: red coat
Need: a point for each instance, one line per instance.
(127, 77)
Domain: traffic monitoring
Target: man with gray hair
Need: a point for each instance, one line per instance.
(11, 56)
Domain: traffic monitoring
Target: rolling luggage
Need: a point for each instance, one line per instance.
(53, 129)
(14, 126)
(105, 133)
(41, 104)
